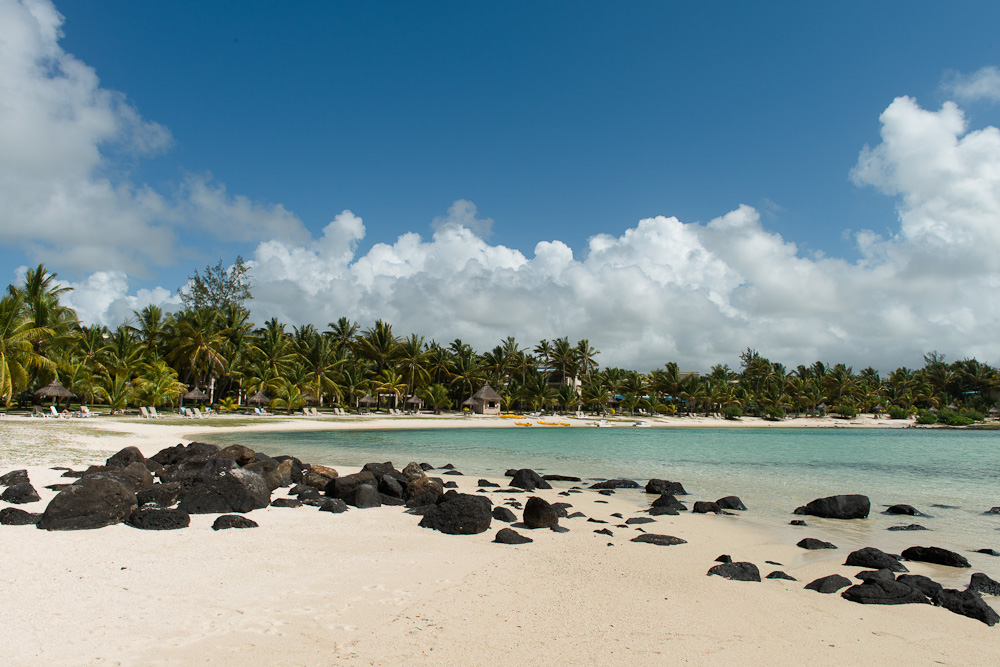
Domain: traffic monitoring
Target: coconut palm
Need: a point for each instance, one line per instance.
(379, 345)
(197, 345)
(436, 396)
(390, 382)
(116, 391)
(158, 384)
(18, 355)
(413, 362)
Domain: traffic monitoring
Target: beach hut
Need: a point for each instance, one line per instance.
(485, 401)
(195, 394)
(413, 404)
(260, 398)
(55, 391)
(367, 401)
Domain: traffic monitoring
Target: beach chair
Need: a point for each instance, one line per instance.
(305, 412)
(143, 412)
(314, 412)
(187, 413)
(38, 412)
(153, 414)
(197, 414)
(85, 412)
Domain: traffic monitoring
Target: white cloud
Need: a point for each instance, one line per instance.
(58, 131)
(983, 84)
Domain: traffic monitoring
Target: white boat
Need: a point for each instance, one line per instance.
(641, 424)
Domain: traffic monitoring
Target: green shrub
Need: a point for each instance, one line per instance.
(974, 415)
(953, 418)
(846, 410)
(925, 417)
(896, 412)
(732, 412)
(774, 413)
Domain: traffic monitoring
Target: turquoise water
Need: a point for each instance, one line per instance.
(771, 470)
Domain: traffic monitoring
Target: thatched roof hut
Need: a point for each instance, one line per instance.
(486, 401)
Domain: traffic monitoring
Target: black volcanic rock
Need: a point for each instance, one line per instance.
(616, 484)
(658, 540)
(838, 507)
(883, 591)
(738, 571)
(935, 555)
(460, 514)
(731, 503)
(538, 513)
(233, 521)
(828, 584)
(510, 536)
(665, 487)
(812, 544)
(875, 559)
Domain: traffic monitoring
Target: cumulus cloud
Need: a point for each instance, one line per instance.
(983, 84)
(64, 199)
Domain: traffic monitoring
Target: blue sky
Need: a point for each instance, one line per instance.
(211, 129)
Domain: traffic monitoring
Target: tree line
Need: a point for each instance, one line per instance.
(154, 358)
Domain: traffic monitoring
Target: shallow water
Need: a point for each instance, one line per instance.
(771, 470)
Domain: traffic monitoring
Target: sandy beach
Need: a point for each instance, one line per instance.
(370, 587)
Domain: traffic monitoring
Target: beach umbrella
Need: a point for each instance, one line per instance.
(54, 390)
(260, 398)
(195, 394)
(366, 399)
(413, 400)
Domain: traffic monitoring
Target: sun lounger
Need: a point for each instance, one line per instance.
(187, 413)
(85, 412)
(153, 413)
(38, 412)
(197, 414)
(314, 412)
(143, 412)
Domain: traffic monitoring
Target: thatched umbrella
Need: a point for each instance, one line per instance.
(260, 398)
(414, 403)
(195, 394)
(309, 398)
(55, 391)
(367, 400)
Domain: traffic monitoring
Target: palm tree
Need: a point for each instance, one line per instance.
(390, 382)
(343, 332)
(116, 391)
(436, 396)
(378, 344)
(288, 396)
(197, 344)
(585, 357)
(158, 384)
(413, 361)
(17, 351)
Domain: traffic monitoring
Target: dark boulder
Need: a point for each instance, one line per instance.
(797, 522)
(455, 472)
(658, 540)
(391, 501)
(268, 470)
(239, 453)
(665, 487)
(812, 544)
(93, 502)
(738, 571)
(461, 514)
(390, 486)
(967, 603)
(363, 496)
(539, 513)
(560, 478)
(616, 484)
(221, 488)
(162, 495)
(422, 491)
(20, 494)
(883, 574)
(778, 574)
(157, 518)
(706, 507)
(529, 480)
(14, 477)
(724, 558)
(504, 514)
(12, 516)
(872, 558)
(510, 536)
(487, 484)
(233, 521)
(334, 505)
(992, 510)
(882, 591)
(636, 520)
(381, 470)
(340, 487)
(668, 500)
(286, 502)
(179, 453)
(125, 457)
(828, 584)
(925, 585)
(318, 477)
(136, 474)
(451, 485)
(935, 555)
(661, 511)
(731, 503)
(982, 584)
(604, 531)
(905, 510)
(909, 526)
(838, 507)
(988, 552)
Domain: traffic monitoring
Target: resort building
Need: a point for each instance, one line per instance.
(486, 401)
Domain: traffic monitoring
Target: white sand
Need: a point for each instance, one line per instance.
(370, 587)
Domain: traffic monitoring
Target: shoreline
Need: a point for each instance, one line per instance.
(372, 587)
